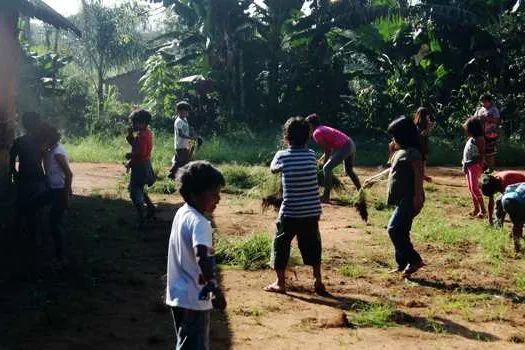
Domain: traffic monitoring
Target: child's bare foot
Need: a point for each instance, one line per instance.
(473, 213)
(481, 215)
(275, 288)
(320, 288)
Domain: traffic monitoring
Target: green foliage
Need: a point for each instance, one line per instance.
(377, 315)
(110, 41)
(249, 253)
(352, 271)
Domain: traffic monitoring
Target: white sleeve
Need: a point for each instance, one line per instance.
(202, 234)
(276, 164)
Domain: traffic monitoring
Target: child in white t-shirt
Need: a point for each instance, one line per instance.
(192, 290)
(59, 180)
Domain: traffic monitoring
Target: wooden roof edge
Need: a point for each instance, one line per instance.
(40, 10)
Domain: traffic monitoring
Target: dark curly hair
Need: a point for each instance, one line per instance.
(404, 132)
(474, 127)
(490, 185)
(140, 116)
(485, 97)
(198, 177)
(314, 120)
(296, 131)
(183, 106)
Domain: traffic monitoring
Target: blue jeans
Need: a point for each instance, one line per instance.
(345, 155)
(399, 228)
(192, 329)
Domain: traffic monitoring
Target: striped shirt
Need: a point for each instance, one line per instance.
(298, 167)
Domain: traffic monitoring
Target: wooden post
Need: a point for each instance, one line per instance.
(9, 58)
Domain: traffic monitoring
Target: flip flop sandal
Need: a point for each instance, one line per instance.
(273, 289)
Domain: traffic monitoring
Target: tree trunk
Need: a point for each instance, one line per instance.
(100, 92)
(8, 69)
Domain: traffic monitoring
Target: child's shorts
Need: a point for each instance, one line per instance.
(515, 208)
(308, 239)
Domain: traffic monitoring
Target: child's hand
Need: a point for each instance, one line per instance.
(66, 199)
(219, 301)
(419, 201)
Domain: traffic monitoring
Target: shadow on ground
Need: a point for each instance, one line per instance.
(109, 295)
(436, 325)
(451, 287)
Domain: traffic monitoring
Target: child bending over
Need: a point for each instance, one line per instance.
(513, 203)
(492, 184)
(405, 192)
(140, 164)
(473, 160)
(338, 148)
(191, 277)
(301, 206)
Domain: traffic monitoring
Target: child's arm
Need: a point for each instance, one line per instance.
(326, 149)
(130, 138)
(208, 269)
(369, 182)
(480, 142)
(419, 192)
(276, 165)
(182, 135)
(62, 161)
(491, 210)
(13, 156)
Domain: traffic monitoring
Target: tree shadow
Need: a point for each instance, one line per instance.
(451, 287)
(110, 292)
(436, 325)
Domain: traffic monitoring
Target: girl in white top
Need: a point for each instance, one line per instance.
(59, 179)
(473, 161)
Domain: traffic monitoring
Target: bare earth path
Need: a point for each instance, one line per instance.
(123, 309)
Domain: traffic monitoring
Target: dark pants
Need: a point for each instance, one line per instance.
(31, 198)
(399, 230)
(56, 217)
(345, 155)
(181, 158)
(192, 329)
(308, 239)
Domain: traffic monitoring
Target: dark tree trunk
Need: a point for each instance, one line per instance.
(100, 92)
(8, 69)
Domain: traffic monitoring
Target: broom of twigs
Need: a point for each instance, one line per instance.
(274, 200)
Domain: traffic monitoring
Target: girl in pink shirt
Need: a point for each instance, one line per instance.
(338, 148)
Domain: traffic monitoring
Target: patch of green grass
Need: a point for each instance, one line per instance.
(244, 178)
(249, 312)
(520, 282)
(254, 149)
(377, 315)
(352, 271)
(249, 253)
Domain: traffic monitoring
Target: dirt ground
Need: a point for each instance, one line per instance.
(121, 307)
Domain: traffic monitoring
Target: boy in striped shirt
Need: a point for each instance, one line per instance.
(301, 207)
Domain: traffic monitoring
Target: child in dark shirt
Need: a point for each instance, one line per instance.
(405, 192)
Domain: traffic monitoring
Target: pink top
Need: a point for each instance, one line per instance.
(331, 137)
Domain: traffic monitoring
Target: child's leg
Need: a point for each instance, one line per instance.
(477, 170)
(349, 163)
(56, 216)
(399, 232)
(310, 246)
(517, 235)
(281, 253)
(192, 329)
(470, 181)
(136, 193)
(337, 158)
